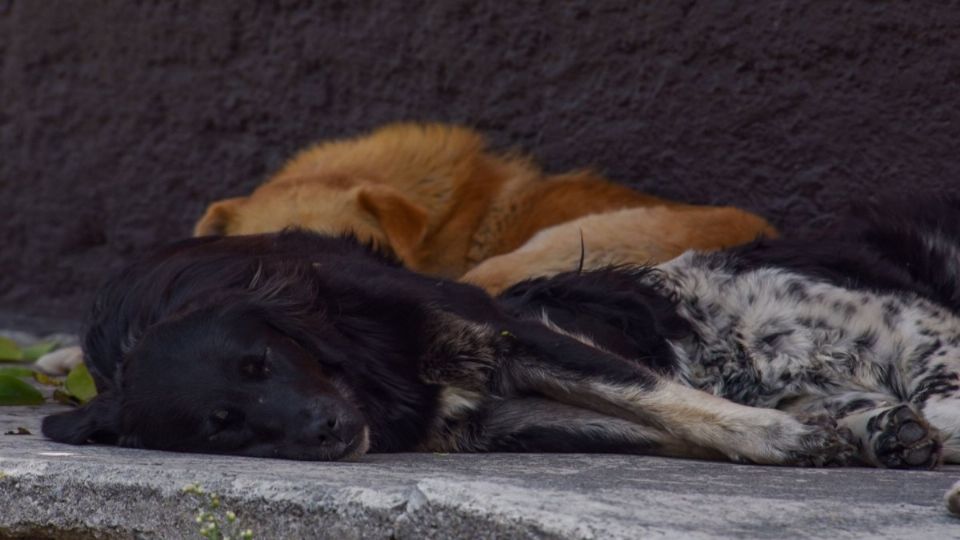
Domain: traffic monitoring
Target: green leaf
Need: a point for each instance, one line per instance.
(9, 350)
(35, 351)
(13, 391)
(46, 380)
(80, 385)
(65, 399)
(16, 371)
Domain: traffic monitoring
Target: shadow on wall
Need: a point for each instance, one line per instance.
(120, 121)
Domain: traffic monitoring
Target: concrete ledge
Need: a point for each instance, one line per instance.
(50, 490)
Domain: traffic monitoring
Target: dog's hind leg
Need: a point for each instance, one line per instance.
(914, 422)
(887, 432)
(943, 412)
(934, 389)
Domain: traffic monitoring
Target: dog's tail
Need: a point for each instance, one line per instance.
(921, 236)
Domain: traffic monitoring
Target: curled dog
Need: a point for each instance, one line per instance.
(308, 347)
(440, 200)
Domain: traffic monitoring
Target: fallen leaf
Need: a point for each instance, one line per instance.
(35, 351)
(13, 391)
(64, 398)
(79, 384)
(46, 380)
(16, 371)
(19, 431)
(9, 350)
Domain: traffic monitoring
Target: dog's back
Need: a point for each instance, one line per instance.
(893, 246)
(434, 194)
(924, 241)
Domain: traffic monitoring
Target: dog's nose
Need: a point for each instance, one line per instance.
(324, 429)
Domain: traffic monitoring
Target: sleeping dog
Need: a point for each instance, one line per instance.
(441, 200)
(307, 347)
(863, 327)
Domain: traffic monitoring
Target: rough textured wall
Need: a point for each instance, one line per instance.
(120, 119)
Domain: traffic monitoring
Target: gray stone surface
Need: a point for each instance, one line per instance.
(48, 489)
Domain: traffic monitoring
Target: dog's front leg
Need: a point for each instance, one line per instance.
(537, 424)
(564, 369)
(524, 358)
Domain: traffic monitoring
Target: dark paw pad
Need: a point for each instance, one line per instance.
(902, 439)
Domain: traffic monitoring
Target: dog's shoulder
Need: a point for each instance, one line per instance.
(618, 309)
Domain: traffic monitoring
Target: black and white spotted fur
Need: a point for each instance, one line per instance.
(862, 324)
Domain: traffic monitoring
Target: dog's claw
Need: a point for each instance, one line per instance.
(826, 445)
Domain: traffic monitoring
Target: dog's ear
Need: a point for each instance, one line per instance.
(404, 222)
(96, 421)
(216, 220)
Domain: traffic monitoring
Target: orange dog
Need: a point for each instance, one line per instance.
(441, 202)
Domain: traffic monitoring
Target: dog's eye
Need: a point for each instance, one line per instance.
(256, 367)
(225, 418)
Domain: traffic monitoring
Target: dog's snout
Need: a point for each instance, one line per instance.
(323, 428)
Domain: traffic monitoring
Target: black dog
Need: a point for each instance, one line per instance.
(308, 347)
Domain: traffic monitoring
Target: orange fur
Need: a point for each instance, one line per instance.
(431, 193)
(563, 198)
(624, 237)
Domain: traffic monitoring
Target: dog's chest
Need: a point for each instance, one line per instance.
(766, 335)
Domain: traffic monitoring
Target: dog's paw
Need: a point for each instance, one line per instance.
(952, 499)
(825, 444)
(901, 439)
(60, 361)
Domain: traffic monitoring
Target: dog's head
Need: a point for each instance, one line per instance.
(225, 382)
(325, 203)
(259, 346)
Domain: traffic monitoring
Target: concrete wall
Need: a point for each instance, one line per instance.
(120, 119)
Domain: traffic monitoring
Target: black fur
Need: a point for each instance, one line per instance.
(171, 338)
(307, 347)
(612, 307)
(883, 247)
(363, 354)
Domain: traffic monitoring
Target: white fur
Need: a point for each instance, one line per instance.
(783, 339)
(60, 361)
